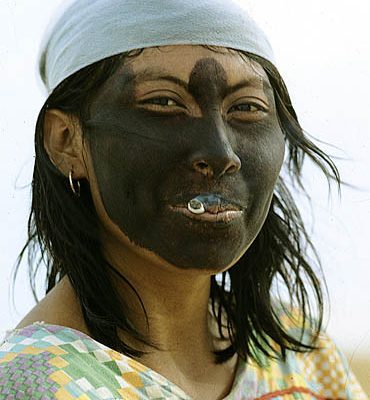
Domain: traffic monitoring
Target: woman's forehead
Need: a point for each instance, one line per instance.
(180, 61)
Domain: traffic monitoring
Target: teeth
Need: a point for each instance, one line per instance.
(196, 207)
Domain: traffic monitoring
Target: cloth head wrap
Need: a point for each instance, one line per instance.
(91, 30)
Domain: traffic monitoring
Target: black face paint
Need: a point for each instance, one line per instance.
(144, 162)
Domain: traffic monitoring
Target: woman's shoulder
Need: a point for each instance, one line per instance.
(51, 361)
(323, 372)
(36, 361)
(320, 374)
(59, 307)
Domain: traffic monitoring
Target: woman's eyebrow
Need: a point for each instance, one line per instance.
(254, 82)
(157, 74)
(151, 74)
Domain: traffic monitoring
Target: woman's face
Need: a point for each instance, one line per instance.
(180, 121)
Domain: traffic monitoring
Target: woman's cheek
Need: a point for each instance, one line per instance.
(261, 149)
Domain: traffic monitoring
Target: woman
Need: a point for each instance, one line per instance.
(158, 154)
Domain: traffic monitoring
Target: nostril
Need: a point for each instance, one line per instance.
(202, 165)
(232, 169)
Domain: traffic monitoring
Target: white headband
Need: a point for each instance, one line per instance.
(91, 30)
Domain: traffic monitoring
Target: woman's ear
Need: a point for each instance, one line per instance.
(63, 142)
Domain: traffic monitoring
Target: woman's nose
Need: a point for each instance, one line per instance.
(216, 162)
(212, 167)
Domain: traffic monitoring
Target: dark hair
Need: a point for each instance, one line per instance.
(63, 234)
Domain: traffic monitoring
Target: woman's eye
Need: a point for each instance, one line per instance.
(161, 101)
(248, 107)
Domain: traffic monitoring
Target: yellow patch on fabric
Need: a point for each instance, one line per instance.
(55, 350)
(60, 377)
(62, 394)
(32, 350)
(133, 378)
(114, 355)
(58, 362)
(136, 365)
(8, 357)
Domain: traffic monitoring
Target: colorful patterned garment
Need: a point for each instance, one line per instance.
(44, 361)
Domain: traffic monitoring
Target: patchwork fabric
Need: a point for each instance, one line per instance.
(44, 361)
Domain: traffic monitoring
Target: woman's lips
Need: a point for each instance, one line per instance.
(220, 214)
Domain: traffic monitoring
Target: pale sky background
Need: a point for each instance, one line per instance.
(323, 52)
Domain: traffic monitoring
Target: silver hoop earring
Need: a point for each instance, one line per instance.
(76, 192)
